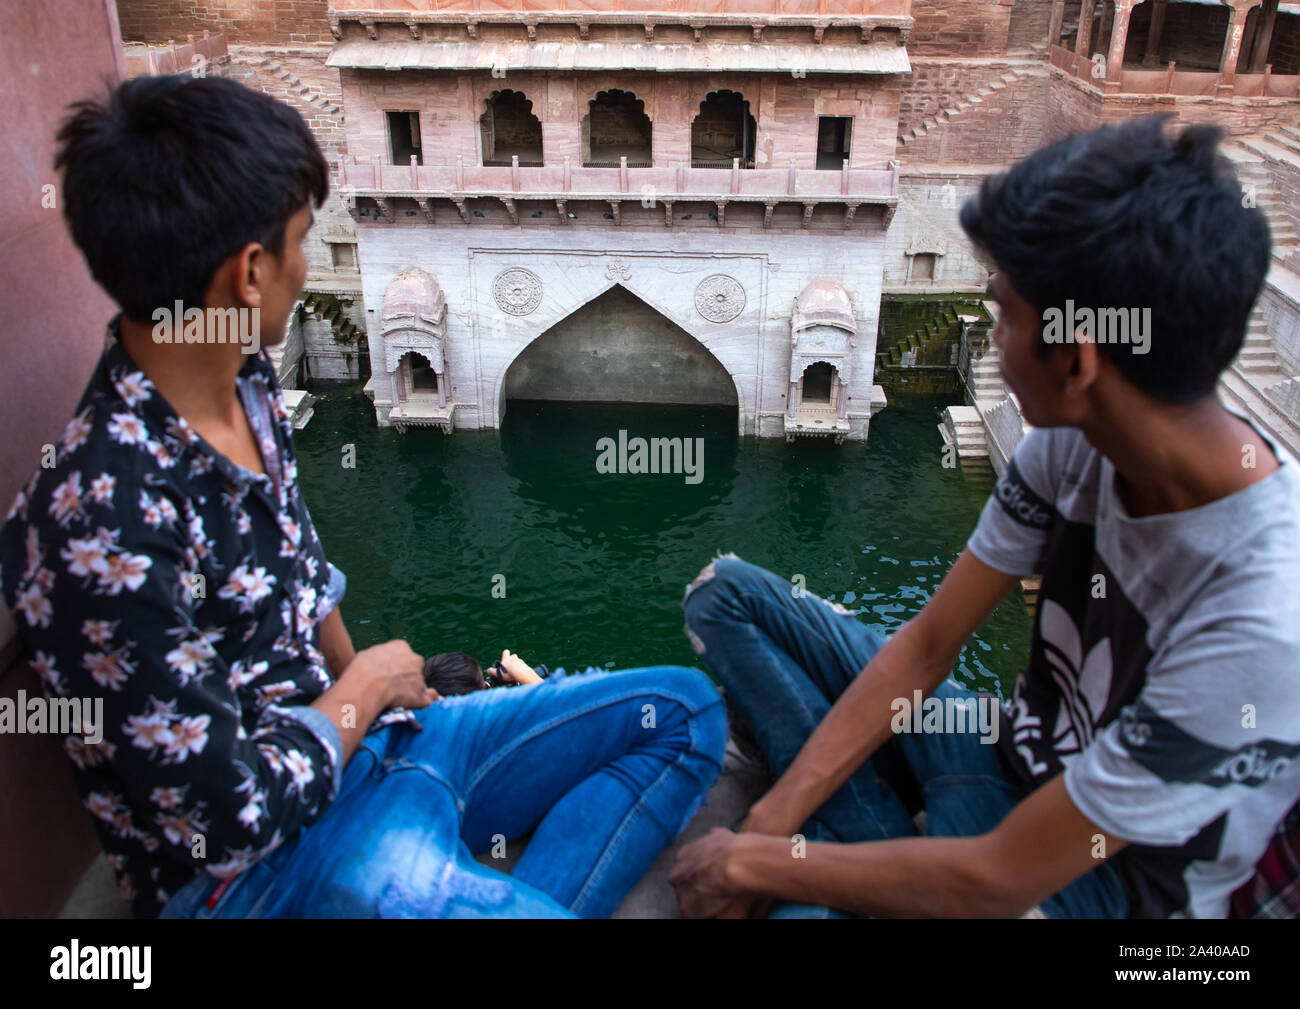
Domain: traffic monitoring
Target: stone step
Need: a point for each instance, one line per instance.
(1271, 151)
(1282, 140)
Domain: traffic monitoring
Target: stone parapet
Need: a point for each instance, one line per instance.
(817, 21)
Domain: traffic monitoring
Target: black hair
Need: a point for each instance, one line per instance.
(169, 176)
(452, 673)
(1128, 216)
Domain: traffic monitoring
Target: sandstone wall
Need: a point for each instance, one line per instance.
(284, 22)
(1003, 126)
(1027, 31)
(1071, 107)
(960, 27)
(785, 110)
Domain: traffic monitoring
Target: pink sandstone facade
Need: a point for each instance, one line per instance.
(693, 167)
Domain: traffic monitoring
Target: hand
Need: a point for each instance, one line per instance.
(701, 878)
(398, 674)
(517, 669)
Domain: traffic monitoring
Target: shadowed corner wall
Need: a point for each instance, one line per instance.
(51, 53)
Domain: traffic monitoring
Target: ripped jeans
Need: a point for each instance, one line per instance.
(604, 769)
(784, 660)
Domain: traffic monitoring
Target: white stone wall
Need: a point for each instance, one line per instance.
(1282, 316)
(927, 219)
(575, 265)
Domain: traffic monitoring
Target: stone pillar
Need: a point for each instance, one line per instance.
(442, 390)
(1083, 42)
(843, 408)
(1263, 37)
(1232, 43)
(790, 403)
(395, 382)
(1099, 43)
(1152, 57)
(1118, 39)
(1054, 26)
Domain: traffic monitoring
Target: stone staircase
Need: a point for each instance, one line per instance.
(330, 308)
(985, 382)
(945, 116)
(1251, 157)
(904, 352)
(299, 90)
(1257, 353)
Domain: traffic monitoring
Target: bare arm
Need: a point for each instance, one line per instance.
(385, 676)
(1043, 845)
(336, 643)
(919, 655)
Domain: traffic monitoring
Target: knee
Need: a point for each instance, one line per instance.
(719, 570)
(694, 702)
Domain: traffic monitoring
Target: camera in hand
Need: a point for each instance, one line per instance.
(496, 676)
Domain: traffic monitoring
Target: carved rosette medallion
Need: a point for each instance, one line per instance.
(517, 291)
(719, 298)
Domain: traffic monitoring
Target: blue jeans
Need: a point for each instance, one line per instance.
(784, 660)
(604, 769)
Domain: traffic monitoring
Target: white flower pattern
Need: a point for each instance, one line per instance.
(145, 569)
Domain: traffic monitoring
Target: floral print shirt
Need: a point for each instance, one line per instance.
(147, 569)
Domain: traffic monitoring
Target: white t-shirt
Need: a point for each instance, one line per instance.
(1164, 672)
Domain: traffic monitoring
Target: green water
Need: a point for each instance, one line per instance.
(594, 564)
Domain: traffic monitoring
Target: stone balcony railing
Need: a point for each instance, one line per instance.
(1169, 80)
(849, 188)
(865, 16)
(192, 56)
(741, 8)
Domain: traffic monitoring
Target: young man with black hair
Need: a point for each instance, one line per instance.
(1148, 751)
(251, 762)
